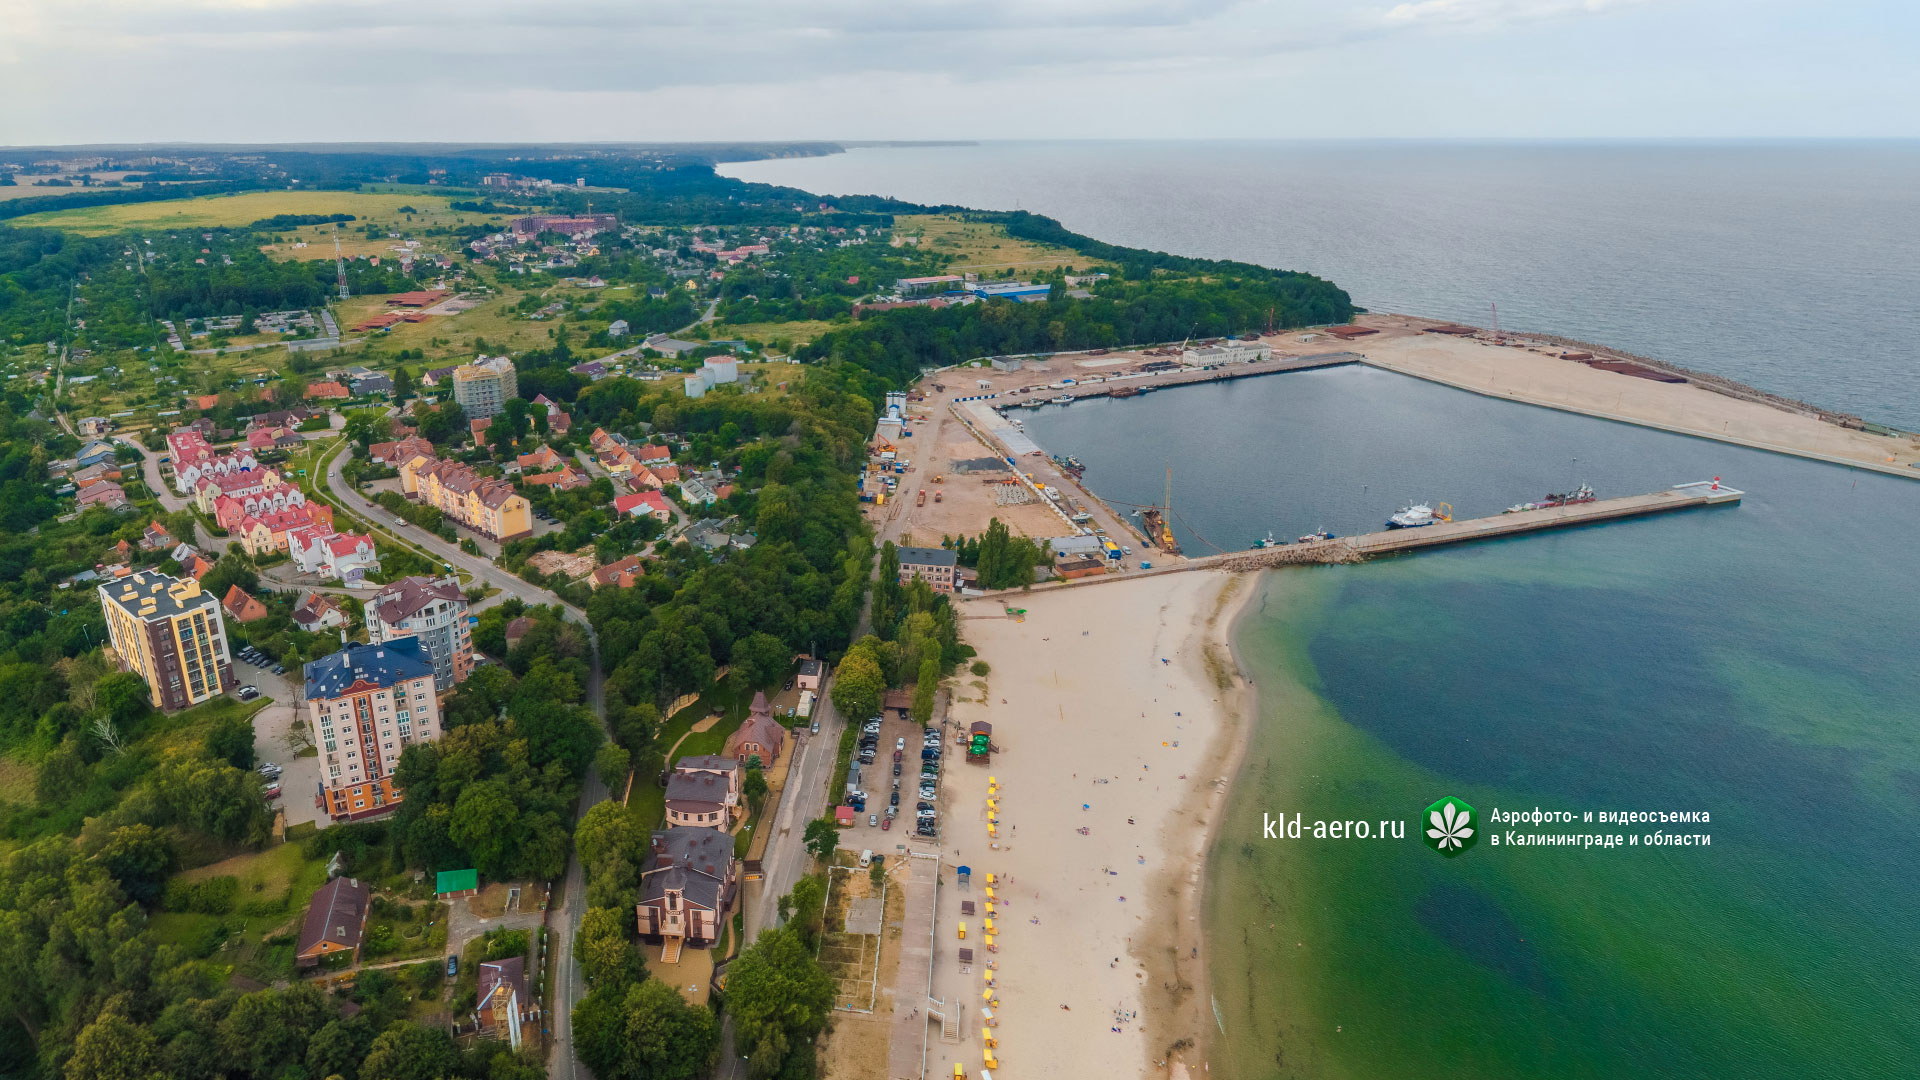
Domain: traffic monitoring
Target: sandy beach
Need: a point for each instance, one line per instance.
(1538, 376)
(1119, 711)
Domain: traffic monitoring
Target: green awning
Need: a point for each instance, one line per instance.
(453, 881)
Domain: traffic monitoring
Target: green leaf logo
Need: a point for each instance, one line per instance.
(1449, 827)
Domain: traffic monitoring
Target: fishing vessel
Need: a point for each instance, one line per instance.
(1032, 403)
(1063, 399)
(1315, 537)
(1266, 541)
(1581, 494)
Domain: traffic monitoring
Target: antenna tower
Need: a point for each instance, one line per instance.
(340, 267)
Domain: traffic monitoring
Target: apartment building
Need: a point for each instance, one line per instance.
(487, 505)
(936, 566)
(365, 705)
(433, 610)
(483, 387)
(169, 632)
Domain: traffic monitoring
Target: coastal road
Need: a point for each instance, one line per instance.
(569, 985)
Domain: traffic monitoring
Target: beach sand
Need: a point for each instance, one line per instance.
(1542, 378)
(1097, 733)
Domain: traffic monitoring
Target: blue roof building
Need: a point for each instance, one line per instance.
(377, 666)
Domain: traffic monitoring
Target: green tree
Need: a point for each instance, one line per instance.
(924, 690)
(605, 949)
(805, 908)
(822, 836)
(230, 739)
(114, 1048)
(666, 1038)
(485, 822)
(611, 762)
(407, 1051)
(859, 683)
(779, 997)
(139, 857)
(753, 787)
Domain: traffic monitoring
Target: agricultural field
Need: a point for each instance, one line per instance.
(980, 247)
(235, 211)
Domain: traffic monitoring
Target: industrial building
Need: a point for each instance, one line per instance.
(169, 632)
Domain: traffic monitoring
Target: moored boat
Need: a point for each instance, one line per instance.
(1419, 515)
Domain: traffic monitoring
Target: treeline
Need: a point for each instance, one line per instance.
(183, 290)
(294, 221)
(901, 343)
(646, 315)
(13, 208)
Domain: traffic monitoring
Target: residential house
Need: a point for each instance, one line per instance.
(642, 503)
(617, 328)
(624, 573)
(261, 491)
(433, 610)
(266, 534)
(516, 631)
(704, 791)
(241, 606)
(695, 490)
(336, 918)
(90, 426)
(594, 370)
(656, 476)
(196, 566)
(687, 889)
(504, 1004)
(542, 458)
(102, 493)
(393, 453)
(372, 383)
(557, 419)
(156, 537)
(487, 505)
(566, 478)
(93, 453)
(317, 611)
(812, 673)
(654, 454)
(759, 735)
(347, 556)
(327, 389)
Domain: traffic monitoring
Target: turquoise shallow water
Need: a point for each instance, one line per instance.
(1754, 662)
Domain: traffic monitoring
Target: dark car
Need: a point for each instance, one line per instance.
(896, 755)
(929, 754)
(923, 806)
(279, 669)
(453, 966)
(896, 768)
(894, 799)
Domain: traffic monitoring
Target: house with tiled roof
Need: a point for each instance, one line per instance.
(687, 888)
(652, 453)
(704, 790)
(104, 493)
(155, 537)
(327, 389)
(336, 918)
(393, 453)
(565, 479)
(317, 611)
(621, 574)
(642, 503)
(504, 1005)
(241, 606)
(543, 457)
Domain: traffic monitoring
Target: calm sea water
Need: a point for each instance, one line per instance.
(1755, 662)
(1794, 267)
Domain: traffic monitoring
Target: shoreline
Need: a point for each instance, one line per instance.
(1129, 889)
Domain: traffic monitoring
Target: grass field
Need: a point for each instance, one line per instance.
(981, 247)
(248, 207)
(799, 332)
(493, 320)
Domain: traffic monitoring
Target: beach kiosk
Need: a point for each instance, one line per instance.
(980, 744)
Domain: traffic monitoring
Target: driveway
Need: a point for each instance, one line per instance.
(279, 733)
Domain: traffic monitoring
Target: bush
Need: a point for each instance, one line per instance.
(980, 667)
(214, 896)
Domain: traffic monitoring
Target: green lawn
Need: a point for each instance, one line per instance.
(256, 936)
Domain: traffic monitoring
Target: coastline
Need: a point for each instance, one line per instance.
(1149, 789)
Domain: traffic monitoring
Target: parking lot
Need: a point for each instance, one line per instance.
(279, 733)
(879, 782)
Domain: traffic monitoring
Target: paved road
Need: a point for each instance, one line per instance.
(561, 1061)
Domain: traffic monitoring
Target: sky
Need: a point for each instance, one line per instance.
(142, 71)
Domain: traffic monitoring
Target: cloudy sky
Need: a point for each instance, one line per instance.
(77, 71)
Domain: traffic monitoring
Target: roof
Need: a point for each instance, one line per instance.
(714, 762)
(403, 599)
(380, 665)
(503, 976)
(696, 787)
(345, 543)
(920, 556)
(811, 666)
(699, 848)
(652, 500)
(450, 881)
(337, 914)
(170, 594)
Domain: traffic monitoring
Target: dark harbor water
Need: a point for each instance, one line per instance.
(1755, 662)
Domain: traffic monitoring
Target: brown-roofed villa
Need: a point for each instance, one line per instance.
(335, 920)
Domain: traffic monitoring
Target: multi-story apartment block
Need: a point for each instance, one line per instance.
(488, 505)
(365, 705)
(433, 610)
(169, 632)
(936, 566)
(483, 387)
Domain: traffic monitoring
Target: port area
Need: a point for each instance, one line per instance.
(1372, 545)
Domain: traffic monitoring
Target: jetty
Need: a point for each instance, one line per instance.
(1346, 549)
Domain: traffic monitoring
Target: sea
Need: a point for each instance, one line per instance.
(1754, 669)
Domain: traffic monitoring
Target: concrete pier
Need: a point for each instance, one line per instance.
(1679, 497)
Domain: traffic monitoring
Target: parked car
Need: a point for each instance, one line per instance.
(273, 791)
(896, 768)
(279, 669)
(896, 755)
(268, 768)
(248, 693)
(453, 966)
(872, 820)
(894, 799)
(929, 755)
(814, 728)
(900, 743)
(886, 825)
(923, 806)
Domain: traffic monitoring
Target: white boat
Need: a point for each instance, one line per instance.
(1413, 517)
(1063, 399)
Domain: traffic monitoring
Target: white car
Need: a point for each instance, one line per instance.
(900, 743)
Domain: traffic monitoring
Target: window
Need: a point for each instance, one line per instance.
(333, 771)
(331, 747)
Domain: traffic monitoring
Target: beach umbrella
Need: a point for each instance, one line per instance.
(989, 877)
(989, 888)
(989, 907)
(988, 1058)
(989, 978)
(992, 829)
(986, 1014)
(990, 947)
(989, 926)
(993, 804)
(987, 994)
(959, 1073)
